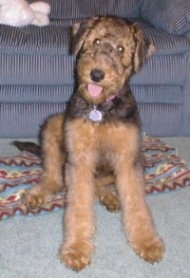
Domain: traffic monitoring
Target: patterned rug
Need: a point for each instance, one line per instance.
(164, 171)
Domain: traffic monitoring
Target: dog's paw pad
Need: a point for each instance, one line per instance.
(75, 258)
(34, 197)
(151, 251)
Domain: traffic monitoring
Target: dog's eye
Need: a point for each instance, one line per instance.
(97, 41)
(120, 49)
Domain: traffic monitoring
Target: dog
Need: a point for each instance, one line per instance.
(96, 143)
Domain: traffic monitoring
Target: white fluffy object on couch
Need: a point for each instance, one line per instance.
(20, 13)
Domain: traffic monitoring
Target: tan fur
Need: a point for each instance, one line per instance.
(85, 158)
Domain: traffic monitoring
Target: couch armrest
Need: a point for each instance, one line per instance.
(76, 9)
(170, 15)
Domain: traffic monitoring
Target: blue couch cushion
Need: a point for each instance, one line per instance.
(34, 40)
(165, 42)
(171, 50)
(170, 15)
(39, 56)
(33, 55)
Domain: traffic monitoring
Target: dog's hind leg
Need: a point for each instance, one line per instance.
(52, 147)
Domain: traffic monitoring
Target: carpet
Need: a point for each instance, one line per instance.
(164, 171)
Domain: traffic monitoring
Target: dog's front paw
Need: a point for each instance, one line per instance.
(150, 250)
(35, 197)
(76, 256)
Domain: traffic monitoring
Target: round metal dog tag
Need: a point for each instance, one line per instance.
(95, 115)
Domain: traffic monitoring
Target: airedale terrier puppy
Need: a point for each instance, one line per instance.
(97, 142)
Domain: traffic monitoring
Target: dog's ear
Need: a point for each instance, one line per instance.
(80, 31)
(144, 48)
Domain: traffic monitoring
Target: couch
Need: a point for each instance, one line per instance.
(36, 69)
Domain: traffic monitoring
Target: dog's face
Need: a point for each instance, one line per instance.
(110, 50)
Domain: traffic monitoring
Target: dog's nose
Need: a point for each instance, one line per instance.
(97, 75)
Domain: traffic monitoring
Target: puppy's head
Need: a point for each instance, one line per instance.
(109, 51)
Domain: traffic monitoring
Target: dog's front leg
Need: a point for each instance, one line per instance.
(130, 183)
(137, 219)
(79, 220)
(79, 217)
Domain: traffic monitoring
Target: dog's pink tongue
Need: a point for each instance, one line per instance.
(94, 90)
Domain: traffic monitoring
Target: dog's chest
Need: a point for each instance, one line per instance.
(100, 137)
